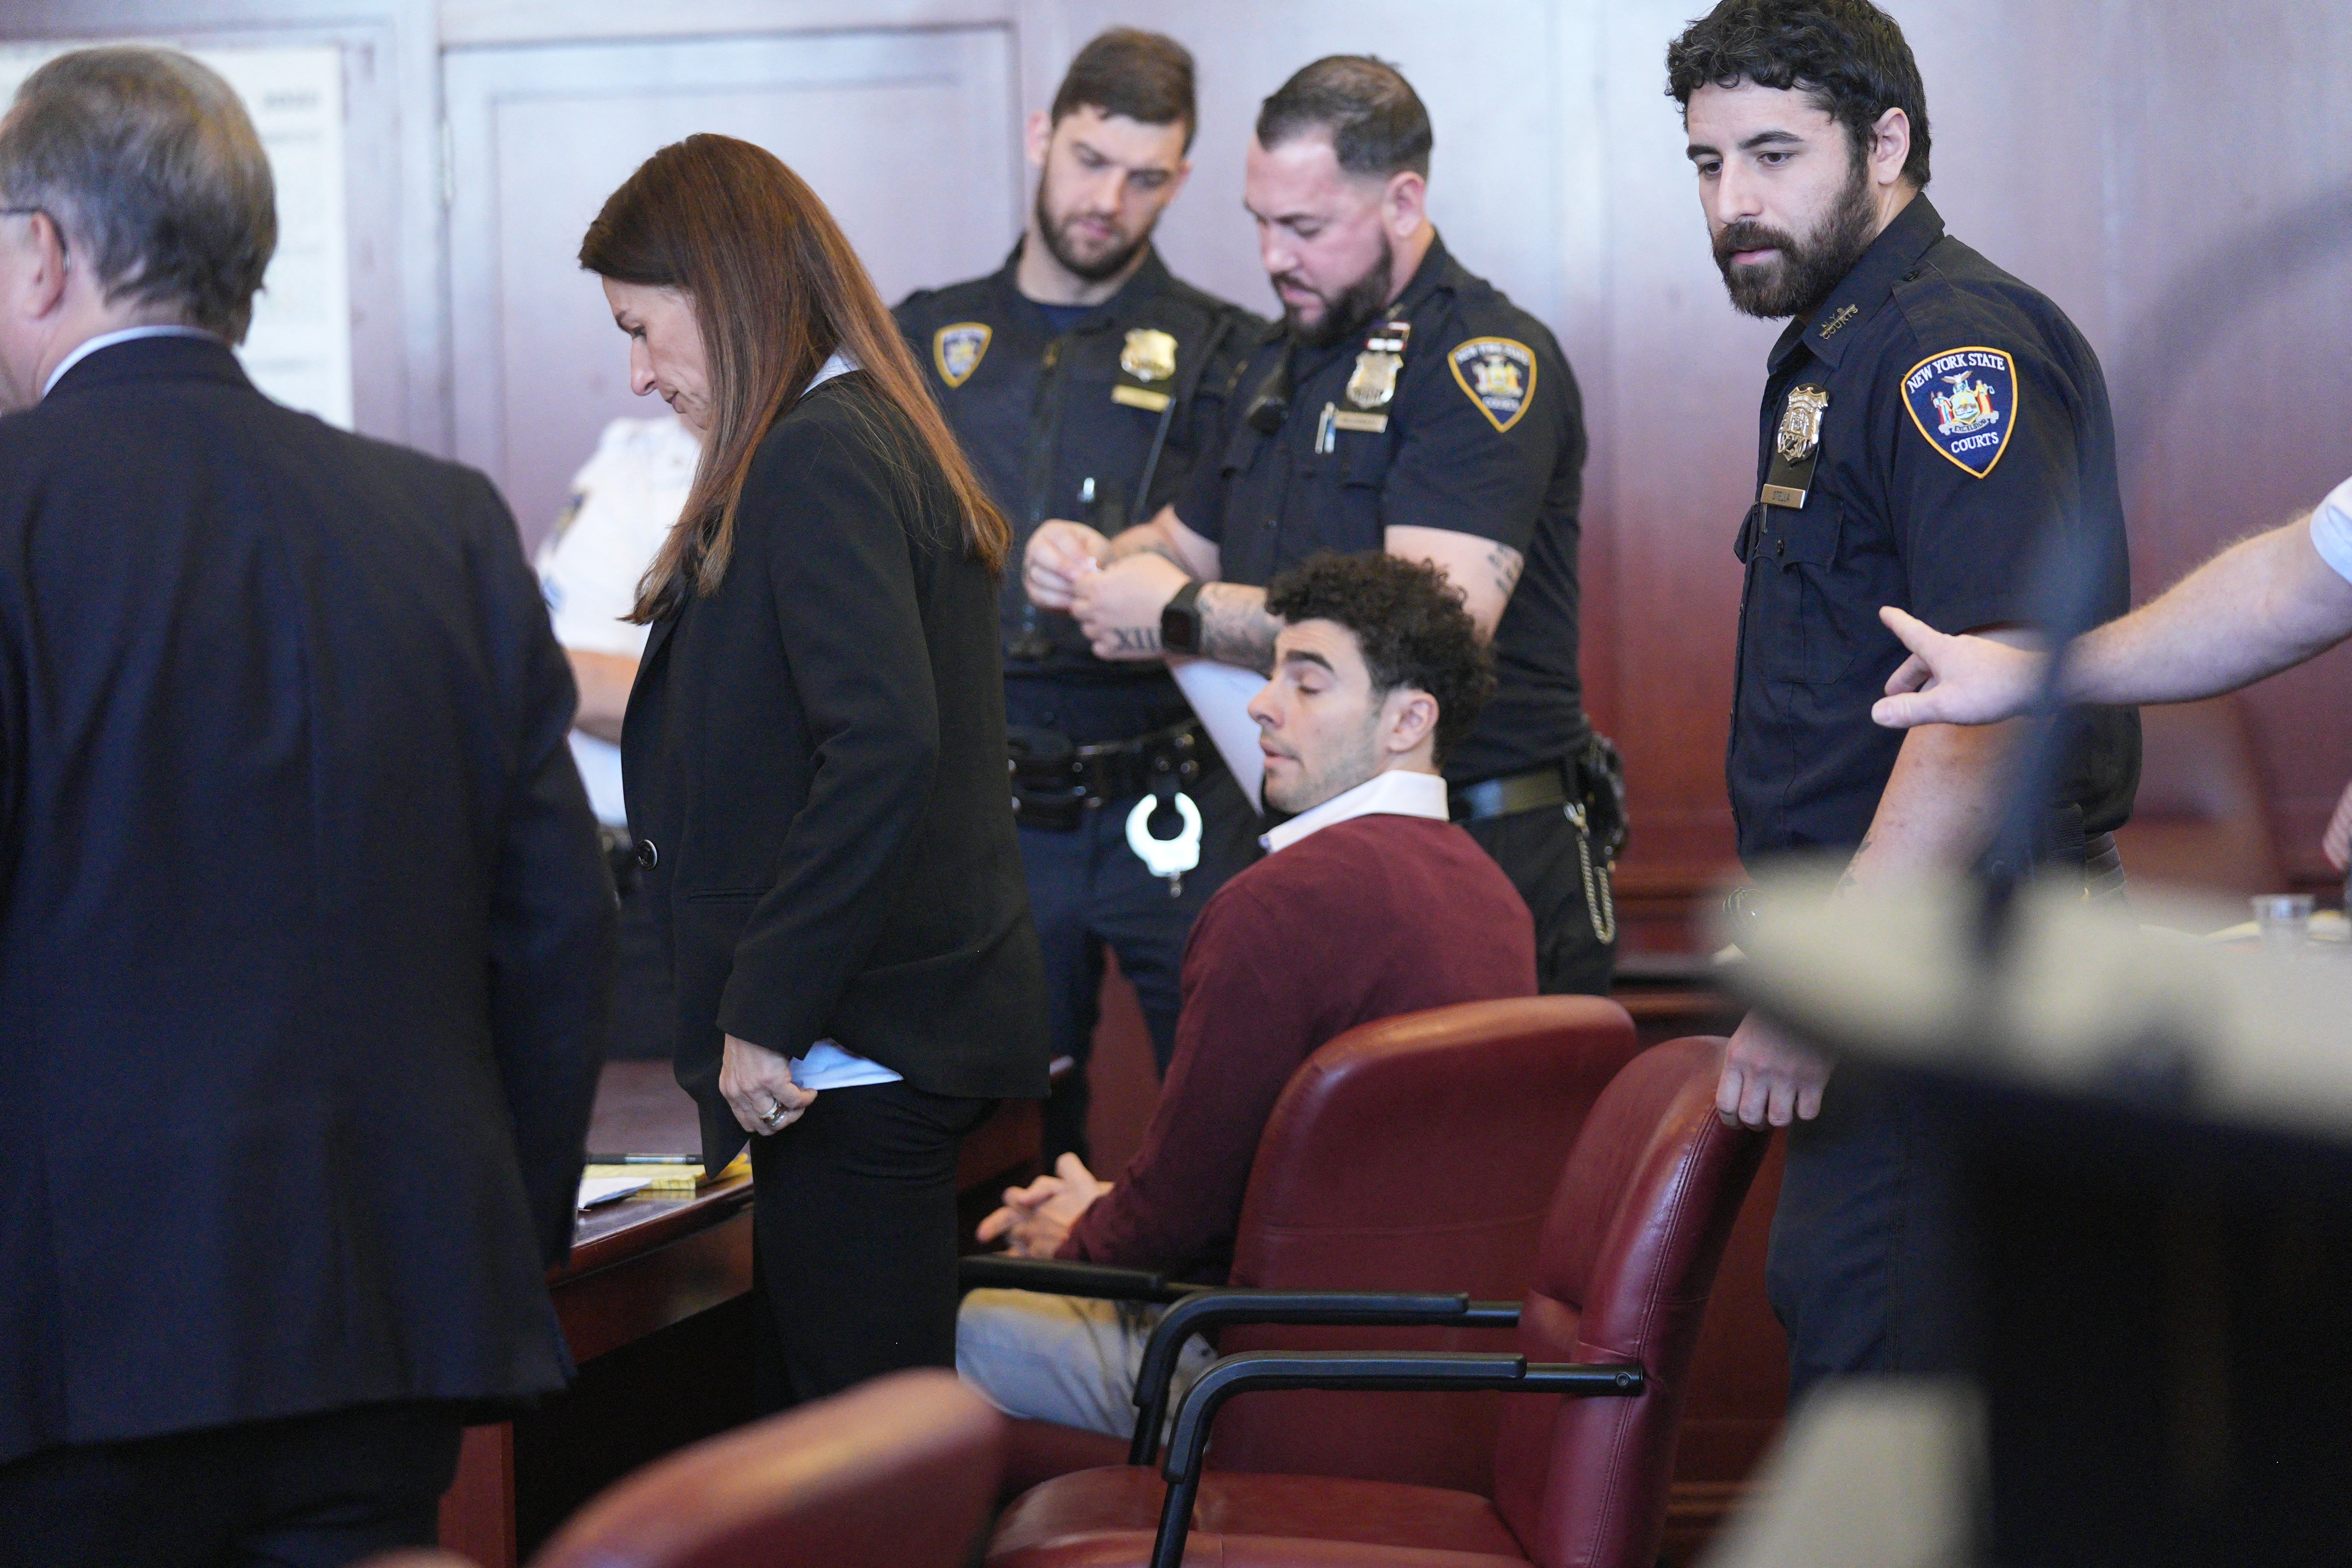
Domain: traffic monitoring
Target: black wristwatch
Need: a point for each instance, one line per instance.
(1180, 623)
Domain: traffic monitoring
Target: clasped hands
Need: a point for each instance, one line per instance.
(1036, 1219)
(1117, 606)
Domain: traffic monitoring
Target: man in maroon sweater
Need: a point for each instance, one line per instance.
(1369, 903)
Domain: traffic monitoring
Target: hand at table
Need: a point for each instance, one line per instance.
(1036, 1219)
(1768, 1079)
(756, 1083)
(1118, 606)
(1059, 554)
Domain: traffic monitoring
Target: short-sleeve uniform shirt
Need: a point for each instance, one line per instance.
(1957, 418)
(1482, 433)
(624, 502)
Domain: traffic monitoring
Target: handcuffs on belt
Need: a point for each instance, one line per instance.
(1055, 783)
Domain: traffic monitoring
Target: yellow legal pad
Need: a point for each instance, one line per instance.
(672, 1180)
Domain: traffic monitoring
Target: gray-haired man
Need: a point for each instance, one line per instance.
(302, 912)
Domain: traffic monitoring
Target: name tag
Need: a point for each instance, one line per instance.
(1139, 397)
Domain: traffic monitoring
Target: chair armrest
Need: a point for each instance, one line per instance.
(1209, 1309)
(1057, 1277)
(1260, 1370)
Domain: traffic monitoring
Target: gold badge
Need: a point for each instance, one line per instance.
(1150, 354)
(1800, 423)
(1373, 380)
(957, 350)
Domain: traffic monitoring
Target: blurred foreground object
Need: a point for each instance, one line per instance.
(2152, 1139)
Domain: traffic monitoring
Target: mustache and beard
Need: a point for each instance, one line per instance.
(1801, 277)
(1345, 313)
(1076, 260)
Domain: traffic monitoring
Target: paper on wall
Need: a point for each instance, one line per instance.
(1220, 694)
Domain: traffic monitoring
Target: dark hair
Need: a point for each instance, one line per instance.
(150, 167)
(1147, 77)
(776, 291)
(1409, 621)
(1847, 55)
(1375, 120)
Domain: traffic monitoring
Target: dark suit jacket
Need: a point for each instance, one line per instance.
(305, 924)
(816, 754)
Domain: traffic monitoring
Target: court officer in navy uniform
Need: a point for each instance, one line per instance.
(1083, 380)
(1927, 420)
(1404, 404)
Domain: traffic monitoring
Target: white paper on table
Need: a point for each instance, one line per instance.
(595, 1190)
(1220, 694)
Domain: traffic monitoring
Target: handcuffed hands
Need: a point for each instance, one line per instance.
(1036, 1219)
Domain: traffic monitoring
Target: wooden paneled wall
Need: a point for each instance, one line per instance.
(2179, 177)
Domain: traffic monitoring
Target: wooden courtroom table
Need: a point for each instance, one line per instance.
(655, 1302)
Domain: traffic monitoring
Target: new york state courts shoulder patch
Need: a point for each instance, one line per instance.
(1499, 376)
(1964, 402)
(956, 350)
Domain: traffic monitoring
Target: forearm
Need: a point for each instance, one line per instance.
(1941, 804)
(604, 681)
(1235, 628)
(1167, 537)
(2258, 607)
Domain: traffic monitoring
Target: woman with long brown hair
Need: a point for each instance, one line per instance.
(815, 758)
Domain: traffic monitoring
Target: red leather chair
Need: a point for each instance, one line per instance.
(898, 1473)
(1415, 1154)
(1594, 1394)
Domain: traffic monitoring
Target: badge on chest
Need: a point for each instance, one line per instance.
(1148, 356)
(1796, 447)
(1372, 385)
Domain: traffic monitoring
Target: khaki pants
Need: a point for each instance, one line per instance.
(1069, 1360)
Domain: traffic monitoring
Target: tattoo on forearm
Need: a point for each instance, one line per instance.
(1136, 639)
(1507, 564)
(1235, 628)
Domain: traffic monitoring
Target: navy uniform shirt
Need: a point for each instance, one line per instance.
(1485, 435)
(1099, 423)
(1966, 417)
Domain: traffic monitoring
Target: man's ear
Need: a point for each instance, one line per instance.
(1404, 204)
(1890, 147)
(1038, 137)
(35, 269)
(1412, 719)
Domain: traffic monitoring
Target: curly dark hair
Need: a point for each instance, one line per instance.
(1409, 621)
(1848, 56)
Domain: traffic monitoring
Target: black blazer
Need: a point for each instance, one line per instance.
(814, 759)
(305, 929)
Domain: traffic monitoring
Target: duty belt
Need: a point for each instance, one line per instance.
(1509, 796)
(1055, 782)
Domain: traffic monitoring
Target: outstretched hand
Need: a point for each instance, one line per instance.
(1955, 679)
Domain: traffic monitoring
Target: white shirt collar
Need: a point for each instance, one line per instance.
(1396, 793)
(108, 340)
(839, 364)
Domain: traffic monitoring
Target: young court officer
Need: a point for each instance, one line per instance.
(1405, 406)
(1927, 421)
(1083, 380)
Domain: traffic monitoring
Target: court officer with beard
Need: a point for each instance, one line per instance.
(1927, 421)
(1405, 406)
(1084, 382)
